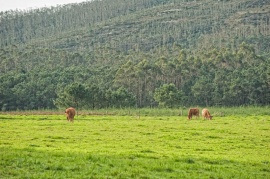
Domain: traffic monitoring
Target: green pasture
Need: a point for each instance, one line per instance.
(134, 146)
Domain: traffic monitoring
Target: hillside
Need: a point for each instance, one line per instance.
(117, 51)
(142, 24)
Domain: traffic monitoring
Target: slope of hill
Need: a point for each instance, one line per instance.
(124, 53)
(141, 24)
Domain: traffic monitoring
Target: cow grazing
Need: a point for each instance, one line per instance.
(70, 113)
(206, 114)
(193, 112)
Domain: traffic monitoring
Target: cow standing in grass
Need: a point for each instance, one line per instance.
(206, 114)
(70, 113)
(193, 112)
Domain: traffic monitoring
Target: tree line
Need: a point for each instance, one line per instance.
(167, 77)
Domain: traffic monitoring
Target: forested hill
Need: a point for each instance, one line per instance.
(127, 53)
(141, 24)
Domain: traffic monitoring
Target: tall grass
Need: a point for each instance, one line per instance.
(181, 111)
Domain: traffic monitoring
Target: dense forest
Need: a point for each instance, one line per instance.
(136, 53)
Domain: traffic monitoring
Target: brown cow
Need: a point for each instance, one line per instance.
(193, 111)
(70, 113)
(206, 114)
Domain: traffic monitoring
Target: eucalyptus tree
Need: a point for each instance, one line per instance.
(73, 96)
(95, 97)
(120, 98)
(168, 96)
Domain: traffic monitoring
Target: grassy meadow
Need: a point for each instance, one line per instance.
(136, 144)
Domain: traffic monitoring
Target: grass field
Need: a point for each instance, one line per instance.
(132, 146)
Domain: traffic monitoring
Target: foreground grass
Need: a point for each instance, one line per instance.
(46, 146)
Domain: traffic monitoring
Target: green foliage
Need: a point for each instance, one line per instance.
(73, 95)
(121, 98)
(168, 96)
(144, 25)
(217, 77)
(94, 97)
(127, 49)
